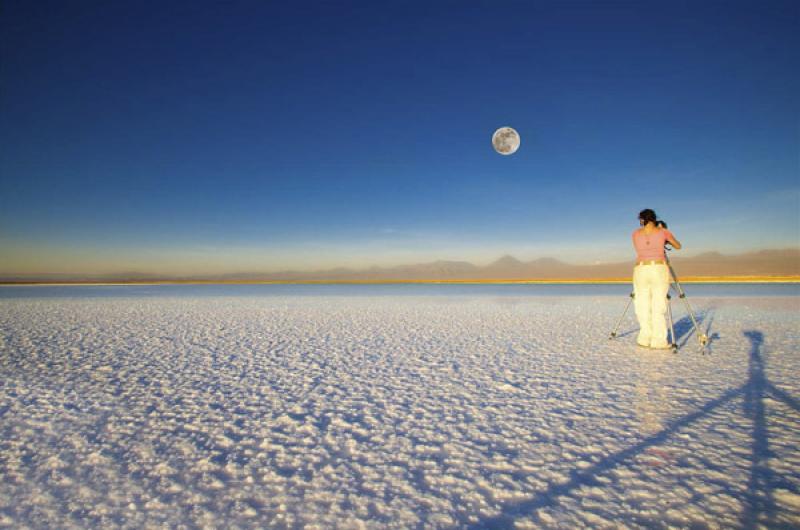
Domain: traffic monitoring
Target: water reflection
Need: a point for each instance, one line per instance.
(650, 401)
(499, 290)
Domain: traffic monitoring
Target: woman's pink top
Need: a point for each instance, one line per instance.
(650, 246)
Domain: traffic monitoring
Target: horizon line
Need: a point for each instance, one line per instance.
(520, 281)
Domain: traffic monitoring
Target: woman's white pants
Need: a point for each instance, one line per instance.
(650, 288)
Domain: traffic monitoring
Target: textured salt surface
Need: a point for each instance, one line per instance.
(394, 412)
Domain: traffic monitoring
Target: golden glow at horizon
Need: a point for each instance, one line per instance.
(595, 281)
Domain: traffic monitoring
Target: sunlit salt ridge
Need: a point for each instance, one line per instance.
(394, 412)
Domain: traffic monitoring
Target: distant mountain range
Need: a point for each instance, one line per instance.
(783, 262)
(763, 263)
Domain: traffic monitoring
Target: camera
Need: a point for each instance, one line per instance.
(663, 224)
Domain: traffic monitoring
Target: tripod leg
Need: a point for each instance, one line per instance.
(701, 337)
(614, 333)
(674, 342)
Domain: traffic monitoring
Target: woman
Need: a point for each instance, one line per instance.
(651, 280)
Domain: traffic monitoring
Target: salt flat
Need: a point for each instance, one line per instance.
(394, 412)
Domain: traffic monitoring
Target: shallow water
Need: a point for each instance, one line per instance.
(516, 290)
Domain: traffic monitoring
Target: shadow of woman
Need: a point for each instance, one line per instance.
(759, 504)
(760, 507)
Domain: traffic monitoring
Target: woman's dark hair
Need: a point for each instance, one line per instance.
(647, 215)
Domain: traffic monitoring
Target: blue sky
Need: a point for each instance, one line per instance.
(222, 137)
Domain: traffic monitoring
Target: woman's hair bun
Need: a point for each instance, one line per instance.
(647, 215)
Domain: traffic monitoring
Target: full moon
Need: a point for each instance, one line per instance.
(505, 141)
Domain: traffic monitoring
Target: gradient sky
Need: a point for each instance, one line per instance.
(193, 137)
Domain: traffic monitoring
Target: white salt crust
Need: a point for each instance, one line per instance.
(394, 412)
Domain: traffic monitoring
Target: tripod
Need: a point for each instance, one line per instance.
(701, 337)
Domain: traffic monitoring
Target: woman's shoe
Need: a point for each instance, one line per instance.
(643, 345)
(661, 347)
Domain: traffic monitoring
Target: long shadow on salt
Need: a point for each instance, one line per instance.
(759, 504)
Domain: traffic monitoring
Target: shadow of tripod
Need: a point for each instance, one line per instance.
(759, 504)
